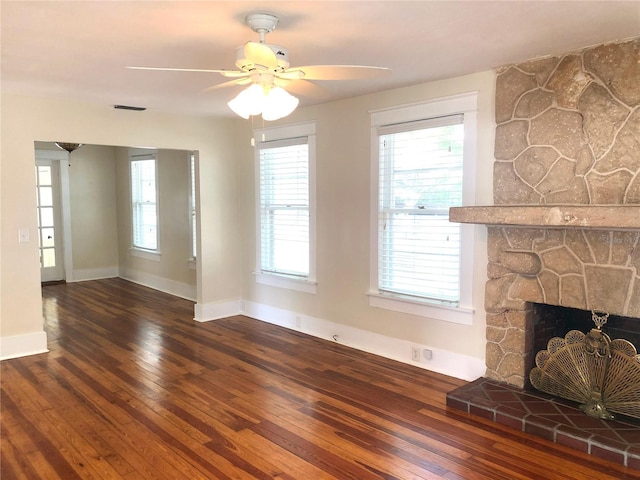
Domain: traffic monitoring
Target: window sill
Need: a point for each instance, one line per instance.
(281, 281)
(460, 315)
(146, 254)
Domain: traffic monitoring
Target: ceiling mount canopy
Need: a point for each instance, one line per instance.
(262, 23)
(265, 69)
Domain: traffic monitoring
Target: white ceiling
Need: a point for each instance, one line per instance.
(79, 49)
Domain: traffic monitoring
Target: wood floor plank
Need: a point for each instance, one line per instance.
(314, 410)
(368, 437)
(133, 388)
(357, 446)
(158, 435)
(290, 465)
(47, 457)
(60, 430)
(13, 460)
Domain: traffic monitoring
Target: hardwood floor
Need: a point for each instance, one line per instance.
(133, 388)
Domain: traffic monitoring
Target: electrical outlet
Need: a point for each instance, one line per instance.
(427, 354)
(415, 354)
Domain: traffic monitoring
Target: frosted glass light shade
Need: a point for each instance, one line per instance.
(272, 103)
(278, 104)
(249, 101)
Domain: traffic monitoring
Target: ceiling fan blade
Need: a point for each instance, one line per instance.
(233, 73)
(225, 73)
(260, 54)
(302, 87)
(230, 83)
(291, 74)
(341, 72)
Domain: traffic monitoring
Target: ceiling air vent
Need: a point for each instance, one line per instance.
(129, 107)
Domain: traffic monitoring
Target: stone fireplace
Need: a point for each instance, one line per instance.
(564, 231)
(565, 225)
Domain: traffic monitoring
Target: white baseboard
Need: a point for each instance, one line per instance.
(166, 285)
(215, 311)
(82, 275)
(442, 361)
(23, 345)
(446, 362)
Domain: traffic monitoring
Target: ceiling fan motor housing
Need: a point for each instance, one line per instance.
(247, 65)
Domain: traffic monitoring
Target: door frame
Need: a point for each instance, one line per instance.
(62, 158)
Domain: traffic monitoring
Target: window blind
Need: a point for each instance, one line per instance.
(420, 178)
(192, 203)
(143, 204)
(284, 207)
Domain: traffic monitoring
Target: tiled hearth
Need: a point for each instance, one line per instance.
(551, 418)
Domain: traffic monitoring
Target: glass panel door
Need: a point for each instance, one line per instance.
(47, 183)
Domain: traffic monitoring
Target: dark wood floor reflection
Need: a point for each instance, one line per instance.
(133, 388)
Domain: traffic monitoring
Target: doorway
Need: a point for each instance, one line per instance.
(94, 190)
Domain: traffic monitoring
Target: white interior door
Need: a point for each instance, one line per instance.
(49, 220)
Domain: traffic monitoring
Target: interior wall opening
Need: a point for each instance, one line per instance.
(95, 216)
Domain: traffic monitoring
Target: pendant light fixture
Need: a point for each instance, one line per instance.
(69, 147)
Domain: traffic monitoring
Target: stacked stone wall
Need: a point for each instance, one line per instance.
(568, 132)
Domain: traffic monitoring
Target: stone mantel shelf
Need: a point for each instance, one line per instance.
(596, 217)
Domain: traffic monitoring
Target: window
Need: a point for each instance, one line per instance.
(192, 202)
(286, 210)
(420, 164)
(420, 178)
(144, 212)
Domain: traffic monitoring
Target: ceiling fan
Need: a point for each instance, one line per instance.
(267, 71)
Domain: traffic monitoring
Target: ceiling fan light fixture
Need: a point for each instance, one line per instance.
(272, 102)
(266, 67)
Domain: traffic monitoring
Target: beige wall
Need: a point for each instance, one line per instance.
(343, 205)
(92, 203)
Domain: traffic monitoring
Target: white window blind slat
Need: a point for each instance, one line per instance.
(284, 207)
(420, 178)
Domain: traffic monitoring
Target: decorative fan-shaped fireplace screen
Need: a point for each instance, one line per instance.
(603, 375)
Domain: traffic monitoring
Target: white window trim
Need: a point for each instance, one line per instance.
(145, 154)
(309, 284)
(153, 255)
(467, 104)
(282, 281)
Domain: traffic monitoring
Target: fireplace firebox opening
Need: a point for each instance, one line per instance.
(587, 365)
